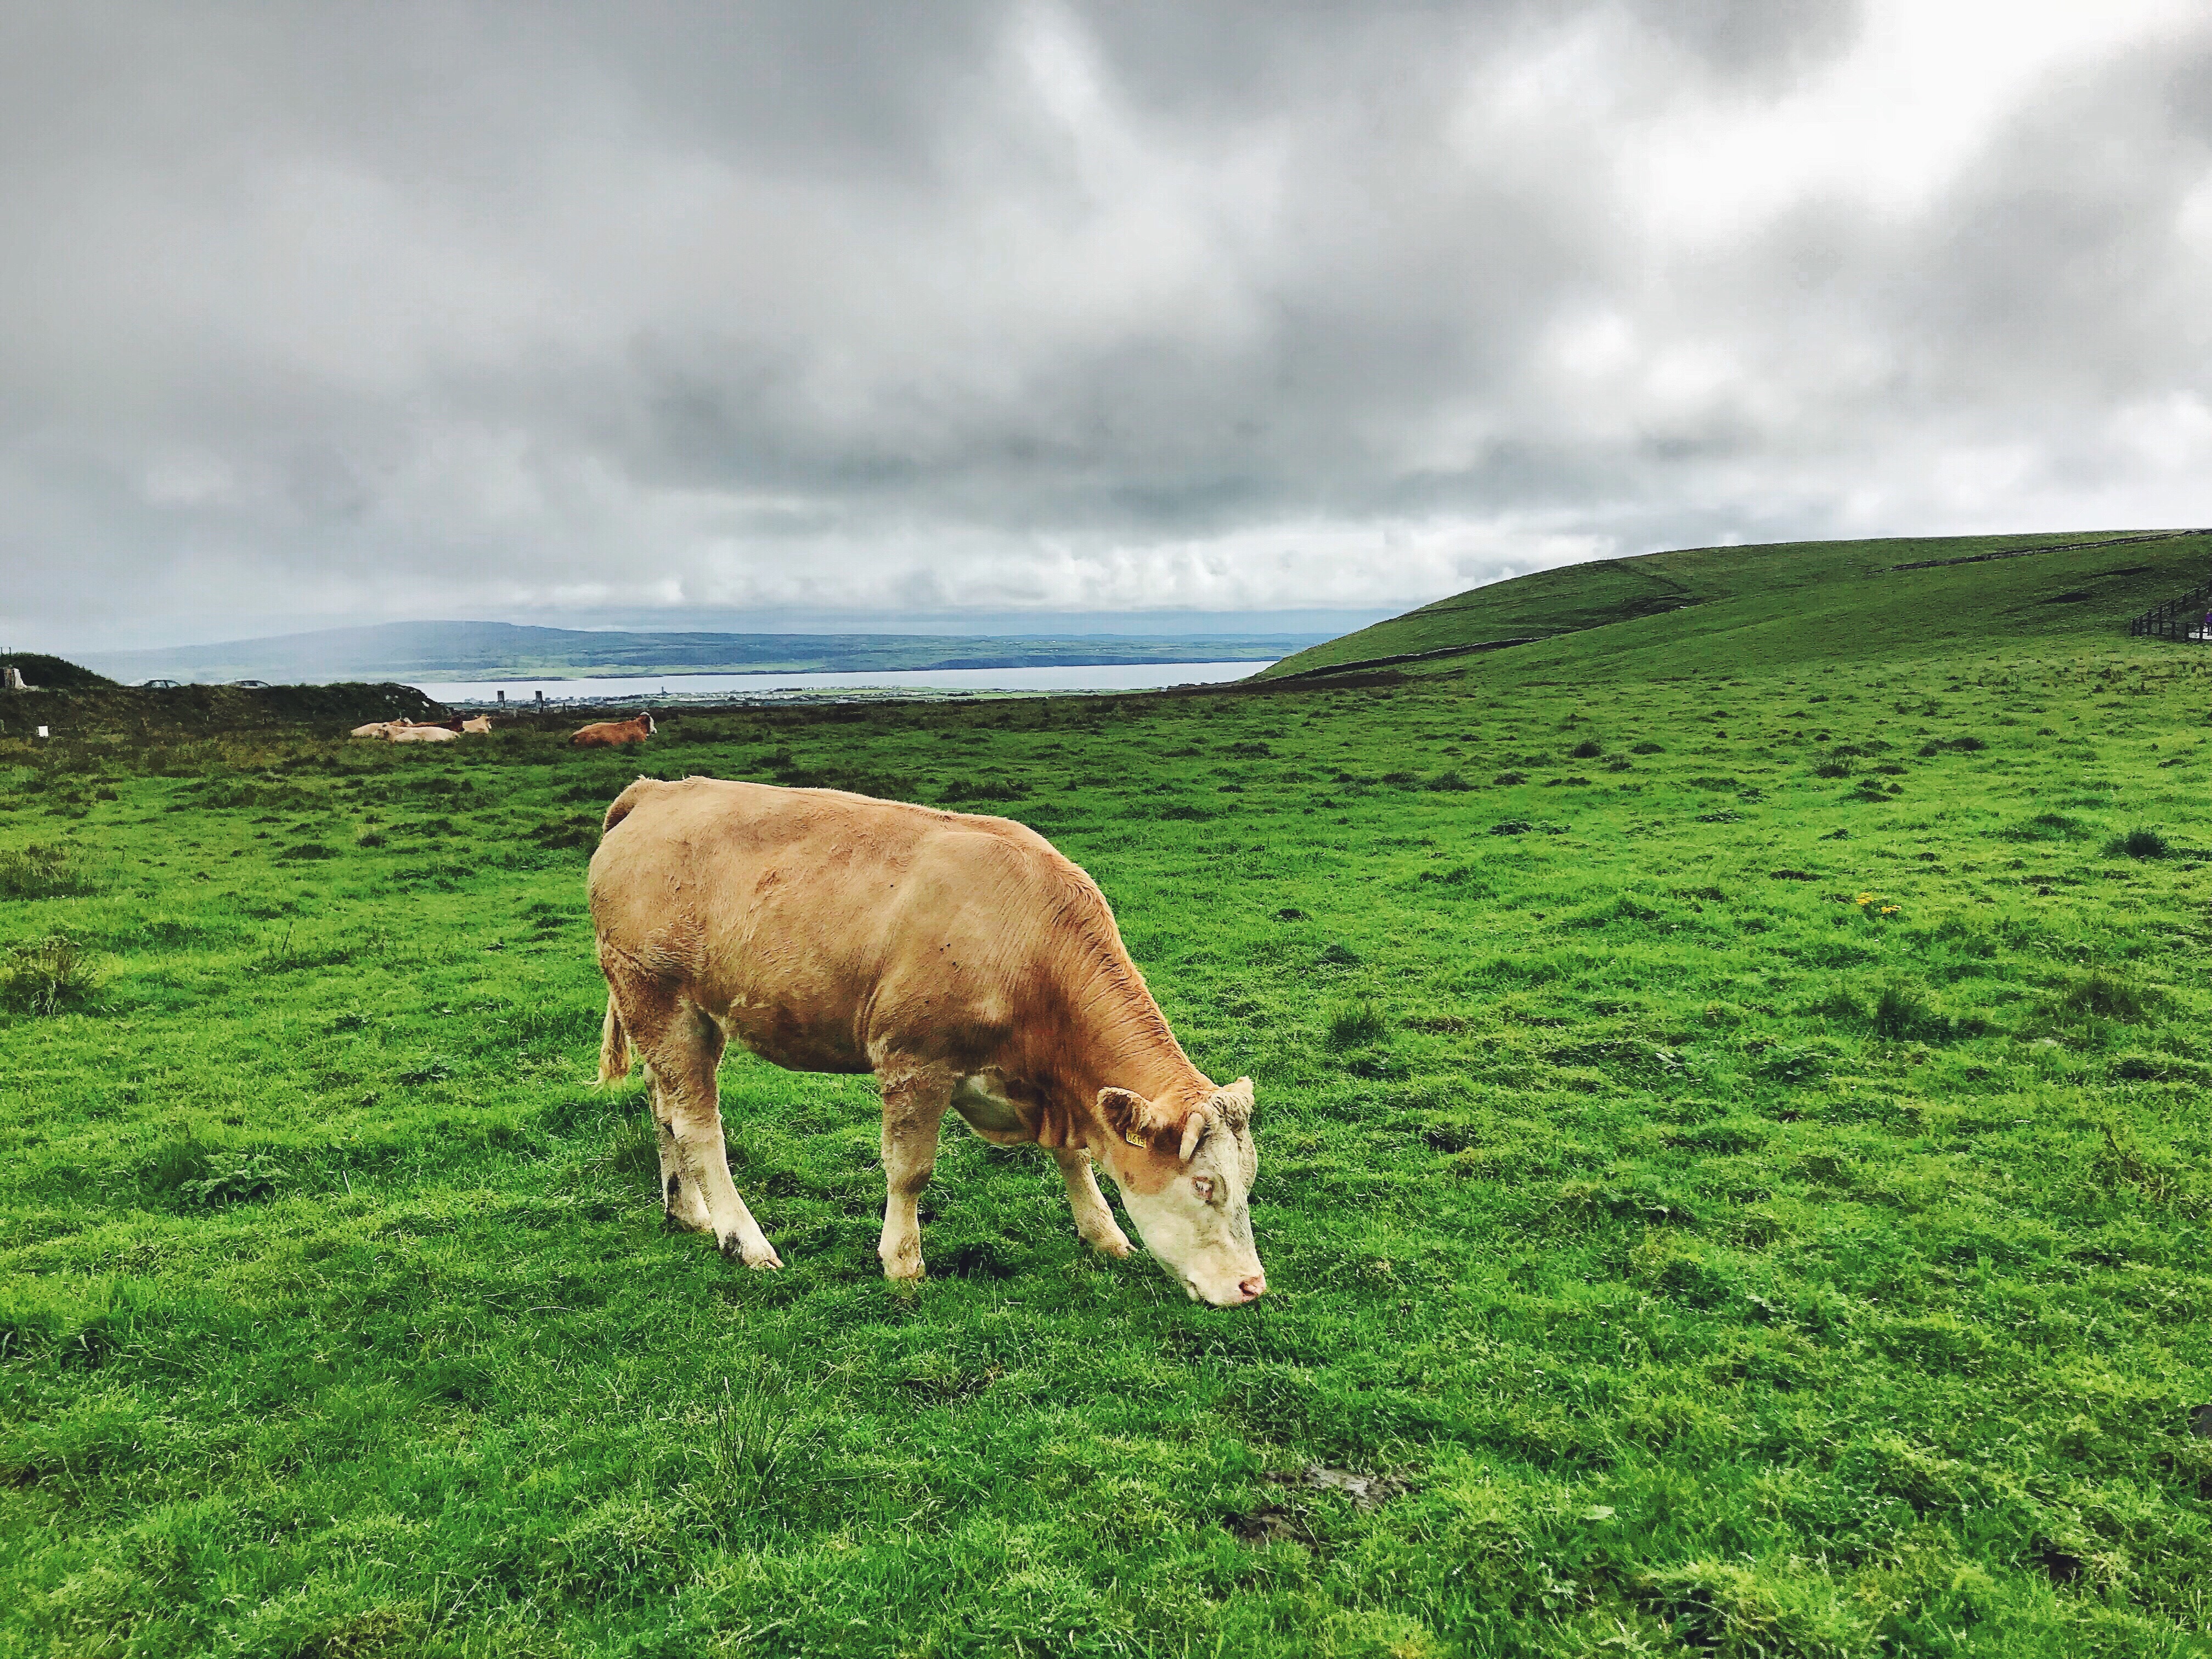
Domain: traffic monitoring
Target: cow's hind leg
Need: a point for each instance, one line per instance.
(1094, 1222)
(914, 1106)
(683, 1202)
(682, 1050)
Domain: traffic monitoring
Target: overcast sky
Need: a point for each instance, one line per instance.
(568, 313)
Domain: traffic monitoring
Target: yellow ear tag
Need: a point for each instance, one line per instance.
(1135, 1141)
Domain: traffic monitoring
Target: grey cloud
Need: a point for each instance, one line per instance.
(1759, 44)
(568, 309)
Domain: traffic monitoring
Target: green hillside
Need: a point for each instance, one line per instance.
(1788, 600)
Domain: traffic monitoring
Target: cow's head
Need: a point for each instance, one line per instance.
(649, 727)
(1185, 1178)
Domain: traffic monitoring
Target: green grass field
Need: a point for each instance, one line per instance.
(1732, 1110)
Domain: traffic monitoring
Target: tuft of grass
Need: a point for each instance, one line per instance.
(751, 1451)
(976, 789)
(226, 1178)
(53, 975)
(1355, 1025)
(2140, 842)
(1588, 748)
(2046, 826)
(576, 830)
(2106, 995)
(1902, 1010)
(45, 871)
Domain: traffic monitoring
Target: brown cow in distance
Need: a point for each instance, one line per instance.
(612, 734)
(962, 960)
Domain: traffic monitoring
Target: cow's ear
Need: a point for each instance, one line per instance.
(1194, 1129)
(1127, 1114)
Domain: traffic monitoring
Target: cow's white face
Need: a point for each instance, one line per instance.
(1188, 1189)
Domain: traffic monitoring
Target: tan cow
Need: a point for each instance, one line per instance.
(612, 734)
(424, 734)
(962, 960)
(478, 726)
(375, 729)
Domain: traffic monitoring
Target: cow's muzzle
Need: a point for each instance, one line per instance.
(1248, 1290)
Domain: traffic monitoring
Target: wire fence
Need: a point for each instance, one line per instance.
(2189, 617)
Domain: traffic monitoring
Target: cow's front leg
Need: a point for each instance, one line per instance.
(1094, 1222)
(914, 1107)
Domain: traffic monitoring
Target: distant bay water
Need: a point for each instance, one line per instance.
(1113, 676)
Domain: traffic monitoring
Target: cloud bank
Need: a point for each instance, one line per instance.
(563, 310)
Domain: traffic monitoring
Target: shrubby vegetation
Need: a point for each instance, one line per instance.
(1731, 1211)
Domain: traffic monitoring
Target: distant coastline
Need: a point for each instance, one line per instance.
(665, 690)
(1256, 658)
(440, 654)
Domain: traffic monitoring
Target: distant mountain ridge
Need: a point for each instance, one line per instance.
(440, 651)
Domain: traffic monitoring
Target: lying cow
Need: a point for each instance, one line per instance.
(375, 729)
(477, 726)
(612, 734)
(962, 960)
(406, 734)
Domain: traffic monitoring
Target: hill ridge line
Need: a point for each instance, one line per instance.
(2053, 547)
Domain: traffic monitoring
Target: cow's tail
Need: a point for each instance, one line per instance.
(614, 1047)
(624, 804)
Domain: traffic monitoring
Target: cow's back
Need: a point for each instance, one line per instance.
(822, 926)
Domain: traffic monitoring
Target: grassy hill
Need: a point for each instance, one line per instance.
(53, 673)
(74, 704)
(1792, 600)
(1735, 1156)
(431, 651)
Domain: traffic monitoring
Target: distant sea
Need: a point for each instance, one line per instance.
(1118, 676)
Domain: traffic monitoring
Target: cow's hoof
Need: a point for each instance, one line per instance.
(765, 1257)
(769, 1263)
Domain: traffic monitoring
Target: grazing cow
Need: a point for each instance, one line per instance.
(480, 726)
(424, 734)
(962, 960)
(612, 734)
